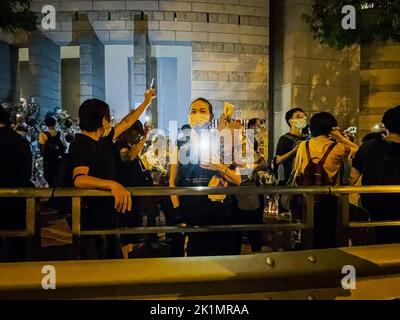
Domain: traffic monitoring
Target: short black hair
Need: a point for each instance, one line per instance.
(372, 136)
(210, 107)
(252, 122)
(130, 136)
(91, 114)
(138, 127)
(290, 113)
(186, 127)
(4, 116)
(391, 120)
(322, 123)
(50, 122)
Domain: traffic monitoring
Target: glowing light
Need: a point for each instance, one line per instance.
(378, 127)
(205, 148)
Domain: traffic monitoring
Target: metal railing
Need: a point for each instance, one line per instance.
(343, 220)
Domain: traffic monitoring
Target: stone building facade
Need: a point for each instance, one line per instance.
(229, 40)
(230, 46)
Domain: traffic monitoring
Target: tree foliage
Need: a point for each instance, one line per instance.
(16, 14)
(379, 19)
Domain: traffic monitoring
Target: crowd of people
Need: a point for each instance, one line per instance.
(114, 158)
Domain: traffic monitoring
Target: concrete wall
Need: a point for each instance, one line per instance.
(44, 72)
(5, 72)
(92, 72)
(70, 84)
(380, 82)
(230, 59)
(167, 91)
(116, 77)
(180, 85)
(310, 75)
(229, 40)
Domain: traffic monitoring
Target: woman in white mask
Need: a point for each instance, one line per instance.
(205, 210)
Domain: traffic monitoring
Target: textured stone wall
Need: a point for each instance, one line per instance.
(229, 39)
(70, 84)
(44, 72)
(92, 81)
(5, 72)
(380, 82)
(310, 75)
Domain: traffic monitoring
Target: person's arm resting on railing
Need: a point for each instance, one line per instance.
(123, 199)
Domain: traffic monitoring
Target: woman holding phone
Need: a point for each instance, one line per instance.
(203, 172)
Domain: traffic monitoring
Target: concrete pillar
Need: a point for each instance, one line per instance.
(44, 72)
(5, 72)
(91, 67)
(144, 66)
(310, 75)
(380, 78)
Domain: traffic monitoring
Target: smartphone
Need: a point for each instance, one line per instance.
(352, 130)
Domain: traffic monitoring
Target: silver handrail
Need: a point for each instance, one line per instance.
(31, 194)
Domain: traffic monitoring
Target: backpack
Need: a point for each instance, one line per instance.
(53, 149)
(314, 174)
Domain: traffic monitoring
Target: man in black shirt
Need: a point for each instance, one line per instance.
(90, 169)
(95, 159)
(15, 172)
(289, 142)
(378, 161)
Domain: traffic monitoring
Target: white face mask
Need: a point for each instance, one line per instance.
(299, 123)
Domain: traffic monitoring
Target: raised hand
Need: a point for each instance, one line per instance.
(149, 96)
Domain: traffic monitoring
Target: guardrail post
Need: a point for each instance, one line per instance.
(4, 249)
(30, 227)
(308, 232)
(342, 221)
(76, 221)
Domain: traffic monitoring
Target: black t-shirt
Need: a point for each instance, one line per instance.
(15, 172)
(134, 174)
(287, 143)
(110, 156)
(99, 156)
(379, 163)
(15, 159)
